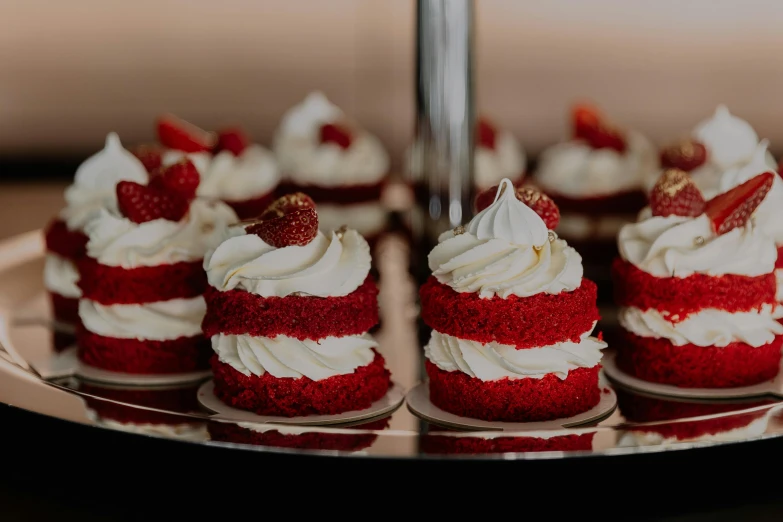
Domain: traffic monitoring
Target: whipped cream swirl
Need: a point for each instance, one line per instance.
(61, 276)
(306, 161)
(494, 361)
(506, 160)
(505, 250)
(159, 321)
(284, 356)
(94, 186)
(117, 241)
(670, 247)
(331, 265)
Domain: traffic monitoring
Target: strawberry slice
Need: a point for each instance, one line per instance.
(295, 228)
(539, 202)
(180, 178)
(733, 209)
(142, 203)
(675, 194)
(336, 133)
(589, 126)
(686, 155)
(150, 155)
(486, 134)
(234, 140)
(178, 134)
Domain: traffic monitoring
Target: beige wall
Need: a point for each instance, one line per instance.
(71, 70)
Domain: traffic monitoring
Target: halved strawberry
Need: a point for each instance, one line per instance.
(234, 140)
(486, 134)
(295, 228)
(589, 126)
(336, 133)
(142, 203)
(539, 202)
(181, 178)
(675, 194)
(733, 209)
(176, 133)
(150, 155)
(686, 155)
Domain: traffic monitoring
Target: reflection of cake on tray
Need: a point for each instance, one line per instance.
(696, 285)
(441, 441)
(511, 316)
(288, 311)
(142, 278)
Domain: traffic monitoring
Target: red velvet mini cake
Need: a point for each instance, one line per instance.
(142, 277)
(511, 315)
(288, 310)
(696, 285)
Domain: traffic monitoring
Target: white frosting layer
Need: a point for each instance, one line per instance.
(161, 321)
(369, 218)
(707, 327)
(94, 186)
(667, 247)
(779, 280)
(328, 266)
(117, 241)
(505, 251)
(284, 356)
(495, 361)
(576, 170)
(61, 276)
(306, 161)
(507, 160)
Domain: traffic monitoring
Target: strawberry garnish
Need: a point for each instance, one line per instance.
(336, 133)
(178, 134)
(686, 155)
(539, 202)
(233, 140)
(589, 126)
(295, 228)
(142, 203)
(289, 203)
(733, 209)
(150, 155)
(180, 178)
(486, 134)
(676, 194)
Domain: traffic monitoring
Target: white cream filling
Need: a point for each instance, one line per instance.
(61, 276)
(160, 321)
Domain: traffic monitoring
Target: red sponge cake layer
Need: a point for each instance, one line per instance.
(289, 397)
(253, 207)
(65, 309)
(434, 444)
(64, 242)
(146, 284)
(691, 366)
(684, 295)
(514, 400)
(186, 354)
(345, 194)
(237, 312)
(516, 320)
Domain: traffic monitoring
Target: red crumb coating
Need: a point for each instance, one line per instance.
(182, 355)
(311, 440)
(628, 202)
(289, 397)
(434, 444)
(179, 400)
(779, 260)
(525, 322)
(237, 312)
(685, 295)
(253, 207)
(514, 400)
(691, 366)
(145, 284)
(63, 242)
(345, 194)
(65, 309)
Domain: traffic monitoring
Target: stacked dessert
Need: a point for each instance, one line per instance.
(93, 188)
(340, 165)
(233, 169)
(142, 278)
(697, 288)
(512, 316)
(288, 311)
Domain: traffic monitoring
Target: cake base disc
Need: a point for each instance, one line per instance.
(386, 404)
(418, 400)
(609, 363)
